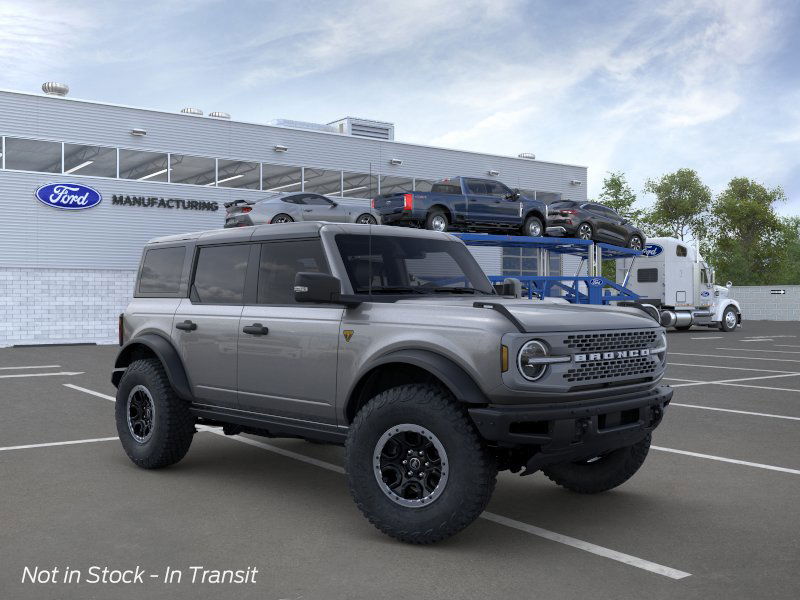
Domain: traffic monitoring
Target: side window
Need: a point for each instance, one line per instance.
(476, 186)
(495, 188)
(446, 188)
(316, 200)
(280, 262)
(647, 275)
(681, 250)
(704, 276)
(161, 270)
(219, 274)
(299, 199)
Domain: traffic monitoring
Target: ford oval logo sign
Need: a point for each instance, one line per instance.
(652, 250)
(596, 281)
(68, 196)
(705, 294)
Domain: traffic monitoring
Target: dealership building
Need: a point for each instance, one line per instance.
(65, 275)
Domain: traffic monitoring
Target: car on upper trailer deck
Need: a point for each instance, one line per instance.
(593, 221)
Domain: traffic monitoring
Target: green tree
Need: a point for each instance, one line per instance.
(617, 194)
(750, 243)
(681, 206)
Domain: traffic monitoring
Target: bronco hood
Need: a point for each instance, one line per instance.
(539, 317)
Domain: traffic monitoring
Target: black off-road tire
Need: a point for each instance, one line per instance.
(683, 327)
(472, 469)
(605, 473)
(173, 425)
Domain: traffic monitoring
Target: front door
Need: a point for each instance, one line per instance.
(206, 325)
(320, 208)
(288, 351)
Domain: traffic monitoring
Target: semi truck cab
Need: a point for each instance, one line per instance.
(672, 276)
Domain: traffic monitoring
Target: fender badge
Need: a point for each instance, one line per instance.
(347, 333)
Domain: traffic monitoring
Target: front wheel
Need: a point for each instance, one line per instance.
(416, 467)
(533, 227)
(729, 320)
(154, 425)
(600, 473)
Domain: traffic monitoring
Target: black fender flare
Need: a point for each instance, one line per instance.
(455, 378)
(165, 352)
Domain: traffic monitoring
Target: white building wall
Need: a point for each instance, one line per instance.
(758, 303)
(49, 306)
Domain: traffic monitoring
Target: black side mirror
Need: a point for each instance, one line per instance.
(334, 204)
(319, 287)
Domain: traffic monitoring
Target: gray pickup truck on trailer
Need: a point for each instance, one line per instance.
(393, 343)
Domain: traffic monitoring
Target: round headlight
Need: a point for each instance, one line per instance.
(532, 350)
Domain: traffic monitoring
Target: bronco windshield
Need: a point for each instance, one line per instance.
(382, 264)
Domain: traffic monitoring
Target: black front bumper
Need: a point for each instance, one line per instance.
(575, 431)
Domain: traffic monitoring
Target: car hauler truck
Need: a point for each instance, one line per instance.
(673, 277)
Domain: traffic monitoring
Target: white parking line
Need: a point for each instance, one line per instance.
(727, 381)
(66, 373)
(49, 444)
(31, 367)
(787, 345)
(739, 412)
(754, 350)
(518, 525)
(759, 340)
(587, 547)
(725, 367)
(739, 357)
(708, 337)
(92, 392)
(727, 460)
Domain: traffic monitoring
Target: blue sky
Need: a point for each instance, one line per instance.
(641, 87)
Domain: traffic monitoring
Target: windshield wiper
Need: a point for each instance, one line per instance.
(458, 290)
(397, 289)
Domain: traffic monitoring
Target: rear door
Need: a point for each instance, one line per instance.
(206, 326)
(288, 351)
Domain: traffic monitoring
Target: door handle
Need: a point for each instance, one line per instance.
(308, 209)
(186, 326)
(255, 329)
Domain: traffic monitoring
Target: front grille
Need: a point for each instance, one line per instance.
(612, 369)
(616, 340)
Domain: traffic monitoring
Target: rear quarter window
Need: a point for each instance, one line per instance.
(161, 271)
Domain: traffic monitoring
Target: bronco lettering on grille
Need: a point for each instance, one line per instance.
(611, 355)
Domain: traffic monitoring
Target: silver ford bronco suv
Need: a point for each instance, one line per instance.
(393, 343)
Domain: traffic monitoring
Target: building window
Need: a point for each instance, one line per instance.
(33, 155)
(194, 170)
(396, 185)
(322, 181)
(144, 166)
(360, 185)
(238, 174)
(97, 161)
(423, 185)
(279, 178)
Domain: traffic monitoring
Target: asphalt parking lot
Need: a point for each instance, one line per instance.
(714, 512)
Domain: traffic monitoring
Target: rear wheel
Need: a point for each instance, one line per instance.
(533, 227)
(282, 218)
(436, 220)
(154, 425)
(367, 219)
(415, 465)
(729, 320)
(584, 232)
(600, 473)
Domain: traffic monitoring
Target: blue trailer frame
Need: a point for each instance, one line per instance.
(578, 289)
